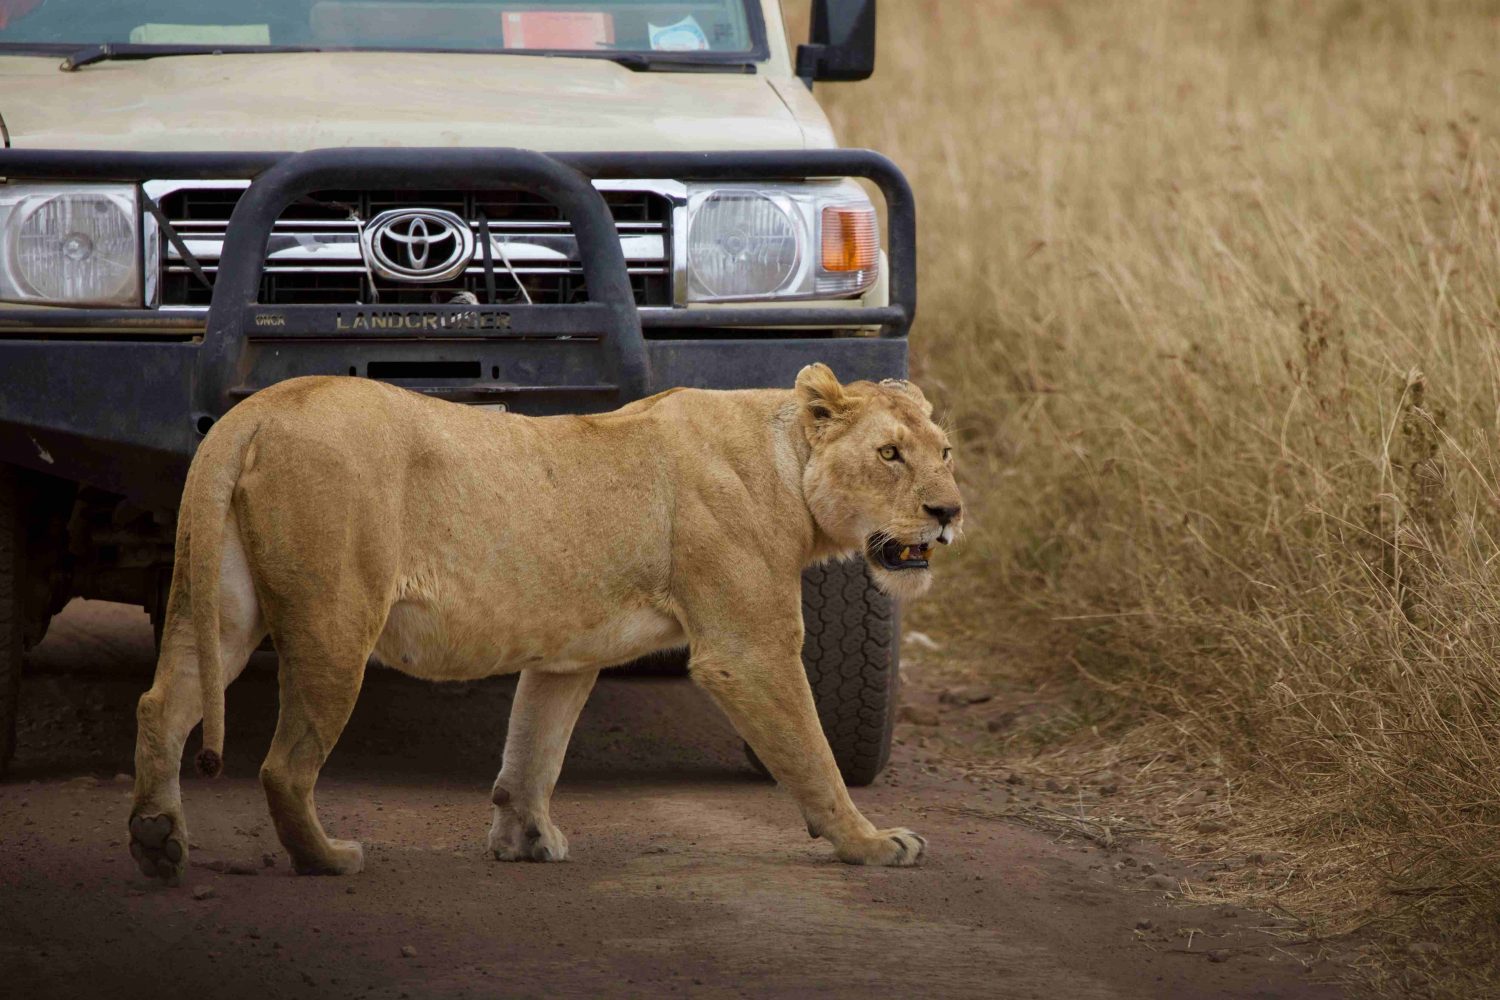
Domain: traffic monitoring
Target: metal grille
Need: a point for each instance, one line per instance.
(313, 256)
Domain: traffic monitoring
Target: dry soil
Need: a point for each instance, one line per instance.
(688, 873)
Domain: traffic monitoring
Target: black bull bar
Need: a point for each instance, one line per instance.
(119, 398)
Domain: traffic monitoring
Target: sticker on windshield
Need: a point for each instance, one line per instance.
(547, 30)
(201, 34)
(684, 36)
(11, 10)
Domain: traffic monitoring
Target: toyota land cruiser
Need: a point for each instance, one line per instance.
(545, 205)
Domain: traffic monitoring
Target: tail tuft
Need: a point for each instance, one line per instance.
(209, 763)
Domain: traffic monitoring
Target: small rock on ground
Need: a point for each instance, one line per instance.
(203, 892)
(965, 696)
(921, 640)
(919, 715)
(1267, 857)
(1001, 723)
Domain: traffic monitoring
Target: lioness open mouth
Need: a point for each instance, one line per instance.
(898, 555)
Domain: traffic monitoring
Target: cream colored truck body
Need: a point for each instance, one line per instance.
(310, 100)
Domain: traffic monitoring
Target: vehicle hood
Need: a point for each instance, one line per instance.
(295, 101)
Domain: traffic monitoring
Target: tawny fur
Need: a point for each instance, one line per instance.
(348, 519)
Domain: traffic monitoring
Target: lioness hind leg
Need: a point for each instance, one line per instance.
(318, 692)
(167, 713)
(541, 722)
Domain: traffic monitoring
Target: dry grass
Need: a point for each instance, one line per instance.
(1212, 292)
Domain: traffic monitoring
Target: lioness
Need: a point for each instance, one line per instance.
(347, 518)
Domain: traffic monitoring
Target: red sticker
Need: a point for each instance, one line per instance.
(12, 9)
(557, 30)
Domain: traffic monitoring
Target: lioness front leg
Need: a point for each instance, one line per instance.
(541, 723)
(763, 688)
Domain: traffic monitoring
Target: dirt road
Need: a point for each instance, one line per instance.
(688, 874)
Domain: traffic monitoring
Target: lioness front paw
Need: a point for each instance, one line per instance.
(159, 847)
(514, 837)
(897, 847)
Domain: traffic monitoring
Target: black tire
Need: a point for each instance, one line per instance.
(852, 654)
(12, 619)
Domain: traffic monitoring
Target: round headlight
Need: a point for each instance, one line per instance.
(79, 249)
(741, 244)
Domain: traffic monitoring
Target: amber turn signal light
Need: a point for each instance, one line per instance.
(851, 241)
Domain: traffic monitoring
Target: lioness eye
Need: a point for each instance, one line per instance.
(890, 454)
(947, 452)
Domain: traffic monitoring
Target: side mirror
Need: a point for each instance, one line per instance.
(843, 42)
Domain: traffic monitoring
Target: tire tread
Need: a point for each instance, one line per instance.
(851, 655)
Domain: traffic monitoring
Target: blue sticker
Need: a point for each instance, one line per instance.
(684, 36)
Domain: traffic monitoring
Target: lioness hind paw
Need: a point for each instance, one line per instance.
(899, 848)
(158, 848)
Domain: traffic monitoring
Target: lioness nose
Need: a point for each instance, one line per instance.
(943, 514)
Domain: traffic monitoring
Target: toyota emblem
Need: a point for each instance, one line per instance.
(417, 244)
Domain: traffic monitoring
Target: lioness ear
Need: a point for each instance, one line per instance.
(820, 393)
(910, 390)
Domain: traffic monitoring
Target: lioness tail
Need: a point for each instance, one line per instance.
(210, 490)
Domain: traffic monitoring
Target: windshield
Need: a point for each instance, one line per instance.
(703, 29)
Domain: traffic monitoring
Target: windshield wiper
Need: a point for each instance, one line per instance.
(106, 51)
(637, 61)
(652, 64)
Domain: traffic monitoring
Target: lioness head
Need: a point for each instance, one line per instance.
(880, 478)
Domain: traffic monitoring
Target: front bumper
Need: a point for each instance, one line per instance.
(119, 399)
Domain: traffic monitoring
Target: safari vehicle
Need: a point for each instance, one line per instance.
(546, 205)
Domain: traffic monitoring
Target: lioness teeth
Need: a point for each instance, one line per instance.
(905, 553)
